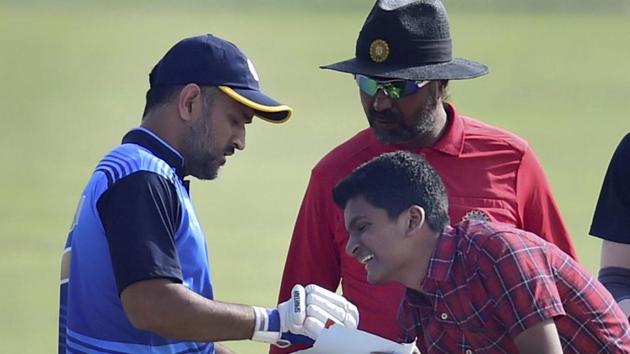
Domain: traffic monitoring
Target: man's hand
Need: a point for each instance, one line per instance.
(302, 318)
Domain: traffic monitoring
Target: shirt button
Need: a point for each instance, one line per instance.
(468, 351)
(444, 316)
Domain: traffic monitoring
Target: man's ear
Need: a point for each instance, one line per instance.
(416, 218)
(189, 102)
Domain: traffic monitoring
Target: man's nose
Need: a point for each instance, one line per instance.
(352, 246)
(382, 102)
(239, 139)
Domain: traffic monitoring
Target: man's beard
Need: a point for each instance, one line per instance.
(404, 132)
(198, 159)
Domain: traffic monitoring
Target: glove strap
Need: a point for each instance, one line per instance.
(267, 327)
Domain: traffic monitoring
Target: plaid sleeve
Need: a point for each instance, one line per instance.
(520, 280)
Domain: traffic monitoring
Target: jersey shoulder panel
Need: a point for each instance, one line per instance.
(129, 158)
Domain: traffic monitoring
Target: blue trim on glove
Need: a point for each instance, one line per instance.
(273, 317)
(296, 338)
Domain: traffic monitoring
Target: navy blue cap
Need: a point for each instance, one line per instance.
(207, 60)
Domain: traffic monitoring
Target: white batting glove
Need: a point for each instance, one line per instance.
(303, 317)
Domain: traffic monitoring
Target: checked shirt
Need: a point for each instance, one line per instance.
(485, 169)
(486, 283)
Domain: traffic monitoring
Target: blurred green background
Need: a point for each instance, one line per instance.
(73, 75)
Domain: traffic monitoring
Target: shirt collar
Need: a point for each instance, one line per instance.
(452, 141)
(158, 147)
(441, 261)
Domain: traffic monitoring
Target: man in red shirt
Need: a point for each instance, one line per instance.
(475, 287)
(402, 67)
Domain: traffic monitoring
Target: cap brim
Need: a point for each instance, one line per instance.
(456, 69)
(264, 106)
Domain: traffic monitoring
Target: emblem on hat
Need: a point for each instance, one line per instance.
(252, 69)
(411, 37)
(476, 214)
(379, 51)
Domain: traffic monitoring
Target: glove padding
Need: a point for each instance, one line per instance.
(303, 317)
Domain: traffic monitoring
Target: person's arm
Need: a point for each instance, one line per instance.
(614, 272)
(519, 278)
(312, 257)
(611, 222)
(541, 338)
(172, 310)
(141, 214)
(537, 207)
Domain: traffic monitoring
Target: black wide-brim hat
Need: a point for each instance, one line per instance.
(408, 39)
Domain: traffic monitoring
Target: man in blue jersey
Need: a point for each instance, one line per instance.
(135, 272)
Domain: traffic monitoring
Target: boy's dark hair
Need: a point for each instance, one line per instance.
(394, 182)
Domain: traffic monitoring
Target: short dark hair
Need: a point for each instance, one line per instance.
(395, 181)
(160, 95)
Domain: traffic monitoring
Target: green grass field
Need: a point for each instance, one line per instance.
(73, 78)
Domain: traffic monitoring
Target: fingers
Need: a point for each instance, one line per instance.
(313, 326)
(298, 304)
(313, 289)
(311, 308)
(318, 313)
(333, 311)
(321, 306)
(341, 310)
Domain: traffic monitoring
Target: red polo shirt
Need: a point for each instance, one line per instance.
(486, 284)
(486, 170)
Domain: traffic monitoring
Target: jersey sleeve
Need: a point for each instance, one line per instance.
(520, 281)
(537, 207)
(141, 214)
(312, 257)
(611, 220)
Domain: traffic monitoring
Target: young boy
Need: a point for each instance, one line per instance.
(477, 287)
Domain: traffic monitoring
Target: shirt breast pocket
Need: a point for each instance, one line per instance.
(482, 331)
(489, 209)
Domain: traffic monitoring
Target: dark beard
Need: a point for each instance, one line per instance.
(404, 133)
(198, 162)
(203, 167)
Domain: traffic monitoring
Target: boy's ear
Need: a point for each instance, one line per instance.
(416, 218)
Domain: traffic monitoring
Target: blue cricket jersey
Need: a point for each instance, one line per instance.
(135, 221)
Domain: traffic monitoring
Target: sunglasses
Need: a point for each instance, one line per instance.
(394, 89)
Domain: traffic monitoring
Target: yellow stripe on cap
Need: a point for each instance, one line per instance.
(258, 107)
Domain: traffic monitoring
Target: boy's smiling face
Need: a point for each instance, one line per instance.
(379, 242)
